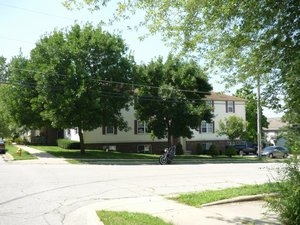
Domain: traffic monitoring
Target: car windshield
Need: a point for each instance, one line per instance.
(268, 148)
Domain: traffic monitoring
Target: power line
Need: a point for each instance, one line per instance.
(115, 94)
(34, 11)
(119, 82)
(18, 40)
(132, 86)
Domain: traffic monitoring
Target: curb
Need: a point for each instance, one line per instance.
(7, 157)
(246, 198)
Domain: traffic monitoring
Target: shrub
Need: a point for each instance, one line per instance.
(68, 144)
(230, 151)
(20, 141)
(295, 148)
(179, 149)
(213, 150)
(287, 201)
(199, 149)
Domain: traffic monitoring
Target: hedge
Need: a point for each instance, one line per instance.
(68, 144)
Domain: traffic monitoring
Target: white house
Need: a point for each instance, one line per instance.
(272, 133)
(224, 106)
(138, 138)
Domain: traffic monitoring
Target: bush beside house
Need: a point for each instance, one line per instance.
(214, 150)
(68, 144)
(230, 151)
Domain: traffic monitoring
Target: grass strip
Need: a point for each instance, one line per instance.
(129, 218)
(197, 199)
(12, 150)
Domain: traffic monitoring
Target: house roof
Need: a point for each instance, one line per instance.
(219, 96)
(275, 124)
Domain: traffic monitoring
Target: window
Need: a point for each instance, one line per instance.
(140, 127)
(206, 145)
(207, 127)
(110, 148)
(230, 107)
(144, 148)
(109, 130)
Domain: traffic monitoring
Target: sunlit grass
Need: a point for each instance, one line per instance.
(12, 150)
(199, 198)
(129, 218)
(92, 154)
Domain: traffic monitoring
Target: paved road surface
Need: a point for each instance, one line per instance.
(42, 194)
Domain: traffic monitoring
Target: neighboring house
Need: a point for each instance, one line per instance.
(272, 133)
(138, 138)
(44, 136)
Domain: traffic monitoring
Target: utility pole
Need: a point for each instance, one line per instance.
(258, 119)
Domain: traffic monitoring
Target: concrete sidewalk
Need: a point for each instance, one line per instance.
(238, 212)
(42, 157)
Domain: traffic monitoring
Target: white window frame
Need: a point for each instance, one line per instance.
(230, 107)
(142, 127)
(207, 127)
(109, 130)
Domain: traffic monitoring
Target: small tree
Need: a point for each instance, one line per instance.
(233, 127)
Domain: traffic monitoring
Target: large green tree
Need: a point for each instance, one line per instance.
(249, 40)
(4, 131)
(251, 113)
(80, 78)
(3, 69)
(17, 94)
(171, 100)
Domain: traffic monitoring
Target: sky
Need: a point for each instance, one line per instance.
(24, 22)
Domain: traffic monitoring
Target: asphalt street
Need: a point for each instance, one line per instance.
(41, 193)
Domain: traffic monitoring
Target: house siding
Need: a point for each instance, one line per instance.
(129, 141)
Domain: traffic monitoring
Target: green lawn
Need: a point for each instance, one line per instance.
(199, 198)
(129, 218)
(91, 156)
(12, 150)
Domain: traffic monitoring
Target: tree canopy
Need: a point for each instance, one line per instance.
(172, 99)
(251, 113)
(245, 40)
(74, 78)
(80, 74)
(233, 127)
(17, 95)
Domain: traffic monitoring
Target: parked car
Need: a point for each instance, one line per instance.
(275, 151)
(245, 147)
(2, 146)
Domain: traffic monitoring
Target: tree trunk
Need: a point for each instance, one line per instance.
(82, 149)
(170, 136)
